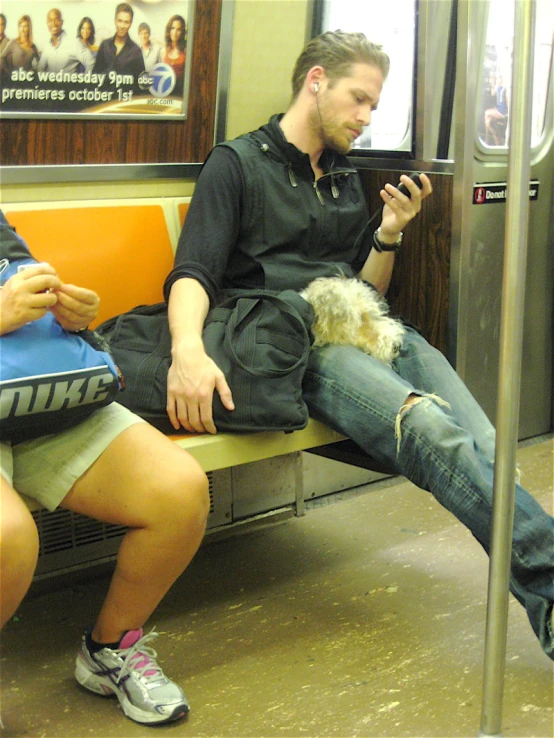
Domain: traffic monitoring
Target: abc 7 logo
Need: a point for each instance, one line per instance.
(160, 82)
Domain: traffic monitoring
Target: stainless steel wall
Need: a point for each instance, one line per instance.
(478, 247)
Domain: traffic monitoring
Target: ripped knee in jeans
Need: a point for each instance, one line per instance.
(411, 400)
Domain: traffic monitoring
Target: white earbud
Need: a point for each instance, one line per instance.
(316, 87)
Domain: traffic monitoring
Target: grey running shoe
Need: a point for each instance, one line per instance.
(131, 673)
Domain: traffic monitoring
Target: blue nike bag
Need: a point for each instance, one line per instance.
(50, 379)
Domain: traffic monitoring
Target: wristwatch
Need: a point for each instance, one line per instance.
(380, 246)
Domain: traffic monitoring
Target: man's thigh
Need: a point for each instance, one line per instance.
(362, 397)
(353, 392)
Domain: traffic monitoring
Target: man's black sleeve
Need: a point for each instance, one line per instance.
(212, 224)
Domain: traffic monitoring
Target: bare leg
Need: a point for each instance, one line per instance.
(492, 118)
(146, 482)
(18, 551)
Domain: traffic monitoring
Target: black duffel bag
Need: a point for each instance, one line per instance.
(260, 341)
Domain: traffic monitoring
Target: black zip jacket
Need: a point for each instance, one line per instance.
(258, 218)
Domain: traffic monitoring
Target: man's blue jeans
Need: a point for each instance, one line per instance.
(443, 442)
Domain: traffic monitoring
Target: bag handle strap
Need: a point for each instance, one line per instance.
(248, 336)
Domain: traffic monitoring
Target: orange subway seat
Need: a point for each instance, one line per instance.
(126, 251)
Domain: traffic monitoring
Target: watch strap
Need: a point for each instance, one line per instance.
(380, 246)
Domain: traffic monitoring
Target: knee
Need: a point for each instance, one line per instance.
(19, 547)
(410, 401)
(424, 415)
(184, 501)
(429, 404)
(197, 494)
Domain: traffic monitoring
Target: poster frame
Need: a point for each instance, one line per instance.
(143, 95)
(120, 172)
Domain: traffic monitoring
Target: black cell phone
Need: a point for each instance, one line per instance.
(404, 190)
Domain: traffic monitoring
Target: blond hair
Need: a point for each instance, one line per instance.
(336, 52)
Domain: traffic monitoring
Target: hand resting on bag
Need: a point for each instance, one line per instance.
(191, 382)
(29, 294)
(192, 376)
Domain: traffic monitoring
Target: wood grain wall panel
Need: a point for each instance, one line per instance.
(199, 136)
(103, 142)
(85, 141)
(419, 289)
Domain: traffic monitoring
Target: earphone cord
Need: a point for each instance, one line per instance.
(319, 113)
(369, 222)
(379, 209)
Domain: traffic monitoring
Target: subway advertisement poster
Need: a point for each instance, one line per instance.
(96, 59)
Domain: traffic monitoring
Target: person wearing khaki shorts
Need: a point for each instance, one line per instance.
(117, 469)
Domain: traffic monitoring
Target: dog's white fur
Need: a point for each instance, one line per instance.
(349, 312)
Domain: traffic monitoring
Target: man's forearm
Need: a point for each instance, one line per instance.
(187, 310)
(378, 270)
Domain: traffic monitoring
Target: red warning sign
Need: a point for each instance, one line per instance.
(496, 192)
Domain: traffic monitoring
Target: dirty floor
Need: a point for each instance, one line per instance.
(362, 618)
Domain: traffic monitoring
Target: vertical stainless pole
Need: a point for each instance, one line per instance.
(511, 338)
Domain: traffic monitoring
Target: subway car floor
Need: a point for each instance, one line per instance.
(363, 618)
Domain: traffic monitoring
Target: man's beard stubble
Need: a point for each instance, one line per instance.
(332, 135)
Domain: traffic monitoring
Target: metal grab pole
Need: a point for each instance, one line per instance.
(511, 338)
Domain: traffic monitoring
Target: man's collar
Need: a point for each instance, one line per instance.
(292, 151)
(294, 154)
(128, 40)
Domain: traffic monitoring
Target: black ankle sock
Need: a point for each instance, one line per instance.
(94, 646)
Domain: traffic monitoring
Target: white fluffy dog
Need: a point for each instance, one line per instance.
(349, 312)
